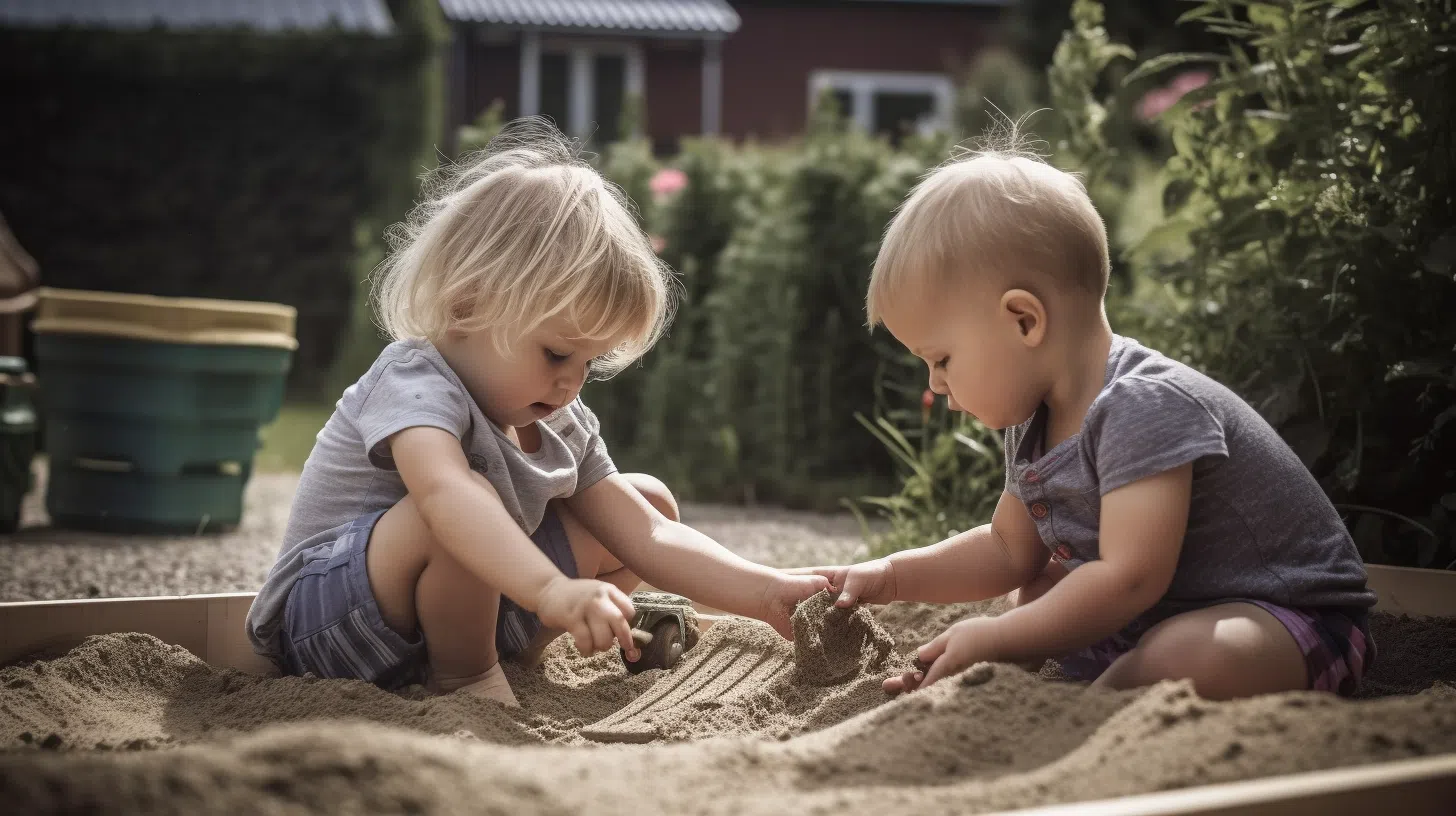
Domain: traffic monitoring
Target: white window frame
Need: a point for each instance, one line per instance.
(581, 56)
(862, 86)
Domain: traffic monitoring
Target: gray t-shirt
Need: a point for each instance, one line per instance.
(1259, 526)
(350, 472)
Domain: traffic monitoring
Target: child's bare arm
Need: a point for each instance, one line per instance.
(983, 562)
(677, 558)
(1140, 539)
(466, 517)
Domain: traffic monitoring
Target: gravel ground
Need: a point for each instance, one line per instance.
(43, 563)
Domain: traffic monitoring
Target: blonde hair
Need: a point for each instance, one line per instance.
(1000, 212)
(519, 233)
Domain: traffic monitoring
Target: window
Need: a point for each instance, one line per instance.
(582, 86)
(609, 93)
(555, 82)
(889, 103)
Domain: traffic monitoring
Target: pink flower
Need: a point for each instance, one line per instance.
(1154, 102)
(667, 181)
(1158, 100)
(1190, 80)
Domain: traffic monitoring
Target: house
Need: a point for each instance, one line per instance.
(745, 69)
(361, 16)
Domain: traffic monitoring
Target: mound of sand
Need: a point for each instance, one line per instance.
(833, 645)
(770, 727)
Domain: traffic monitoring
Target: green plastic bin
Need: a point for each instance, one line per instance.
(153, 406)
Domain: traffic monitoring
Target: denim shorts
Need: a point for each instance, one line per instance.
(332, 626)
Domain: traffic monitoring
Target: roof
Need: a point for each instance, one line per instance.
(368, 16)
(992, 3)
(713, 18)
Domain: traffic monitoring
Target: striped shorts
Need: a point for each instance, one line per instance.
(1335, 641)
(332, 627)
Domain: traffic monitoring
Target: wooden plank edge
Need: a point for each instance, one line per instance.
(209, 626)
(1411, 591)
(1425, 785)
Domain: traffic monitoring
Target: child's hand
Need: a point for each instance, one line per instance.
(783, 594)
(594, 612)
(964, 644)
(872, 582)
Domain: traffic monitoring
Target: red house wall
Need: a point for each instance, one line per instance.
(493, 72)
(673, 86)
(674, 93)
(766, 64)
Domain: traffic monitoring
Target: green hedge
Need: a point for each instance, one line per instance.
(664, 414)
(1310, 246)
(219, 164)
(753, 394)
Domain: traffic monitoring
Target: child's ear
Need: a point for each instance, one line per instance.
(1027, 314)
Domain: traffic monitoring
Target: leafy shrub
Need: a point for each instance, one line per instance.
(661, 415)
(1150, 29)
(629, 162)
(1312, 186)
(999, 84)
(752, 395)
(953, 468)
(478, 134)
(794, 361)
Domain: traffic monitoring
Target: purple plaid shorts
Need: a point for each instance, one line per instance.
(1335, 640)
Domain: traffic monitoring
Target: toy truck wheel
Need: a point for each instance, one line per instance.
(663, 652)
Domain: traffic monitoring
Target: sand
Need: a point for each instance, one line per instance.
(747, 723)
(834, 645)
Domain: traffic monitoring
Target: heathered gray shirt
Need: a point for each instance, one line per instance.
(350, 472)
(1259, 526)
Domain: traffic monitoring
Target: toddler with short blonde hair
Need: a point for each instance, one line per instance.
(1006, 214)
(1153, 525)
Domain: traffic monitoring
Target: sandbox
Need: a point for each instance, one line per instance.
(800, 735)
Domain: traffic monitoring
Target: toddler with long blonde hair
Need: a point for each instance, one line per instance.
(460, 505)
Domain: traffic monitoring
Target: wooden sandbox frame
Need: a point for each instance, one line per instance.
(211, 627)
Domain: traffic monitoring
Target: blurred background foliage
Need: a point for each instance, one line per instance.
(222, 164)
(1276, 177)
(1281, 210)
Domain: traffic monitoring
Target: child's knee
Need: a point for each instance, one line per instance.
(1220, 667)
(656, 494)
(1215, 675)
(592, 559)
(401, 534)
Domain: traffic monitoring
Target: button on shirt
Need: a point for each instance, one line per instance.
(1259, 526)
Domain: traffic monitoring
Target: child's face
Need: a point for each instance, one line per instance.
(975, 350)
(544, 371)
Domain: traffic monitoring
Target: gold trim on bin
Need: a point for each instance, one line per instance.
(199, 321)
